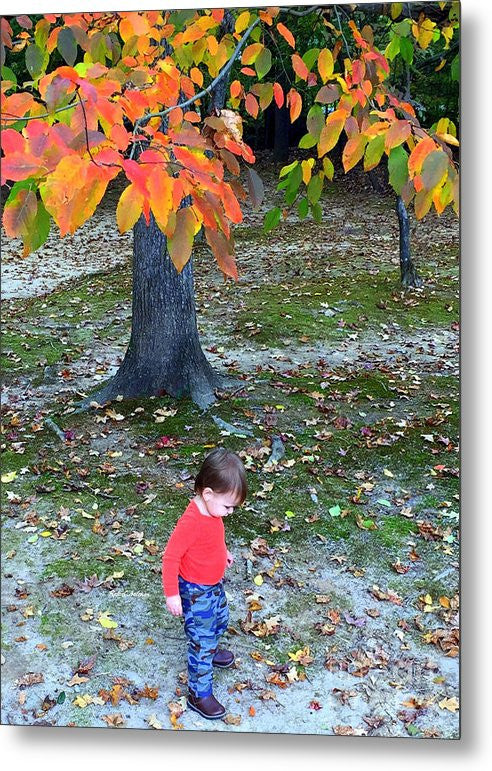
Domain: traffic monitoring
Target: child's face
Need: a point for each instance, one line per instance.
(219, 504)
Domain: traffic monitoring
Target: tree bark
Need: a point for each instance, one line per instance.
(164, 355)
(409, 275)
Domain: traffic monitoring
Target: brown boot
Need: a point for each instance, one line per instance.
(223, 658)
(206, 706)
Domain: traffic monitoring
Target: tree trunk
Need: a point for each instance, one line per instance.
(409, 275)
(164, 354)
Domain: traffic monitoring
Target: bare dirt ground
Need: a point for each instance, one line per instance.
(329, 637)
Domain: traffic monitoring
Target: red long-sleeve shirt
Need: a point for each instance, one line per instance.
(196, 550)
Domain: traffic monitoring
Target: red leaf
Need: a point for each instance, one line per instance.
(278, 93)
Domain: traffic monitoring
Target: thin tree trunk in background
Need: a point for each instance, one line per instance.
(409, 275)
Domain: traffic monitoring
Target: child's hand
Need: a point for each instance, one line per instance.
(173, 604)
(230, 559)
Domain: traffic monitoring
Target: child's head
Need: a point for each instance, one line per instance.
(221, 482)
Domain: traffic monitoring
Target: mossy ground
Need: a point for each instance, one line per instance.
(365, 399)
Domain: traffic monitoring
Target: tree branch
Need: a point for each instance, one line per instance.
(15, 118)
(162, 113)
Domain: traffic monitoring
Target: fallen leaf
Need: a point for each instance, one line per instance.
(450, 704)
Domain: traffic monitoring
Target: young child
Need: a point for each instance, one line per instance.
(193, 566)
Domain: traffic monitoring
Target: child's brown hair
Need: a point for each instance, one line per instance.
(223, 472)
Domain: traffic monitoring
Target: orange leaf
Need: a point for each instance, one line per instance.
(252, 106)
(251, 53)
(180, 243)
(299, 67)
(286, 34)
(353, 151)
(192, 117)
(397, 133)
(418, 155)
(252, 711)
(236, 89)
(331, 131)
(294, 100)
(223, 251)
(160, 187)
(19, 216)
(196, 76)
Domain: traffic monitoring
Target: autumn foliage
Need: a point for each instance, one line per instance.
(129, 100)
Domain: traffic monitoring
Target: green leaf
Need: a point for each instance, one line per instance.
(285, 169)
(310, 57)
(24, 184)
(398, 168)
(384, 502)
(67, 45)
(61, 697)
(393, 48)
(314, 189)
(43, 28)
(295, 179)
(315, 121)
(303, 208)
(34, 60)
(328, 168)
(317, 212)
(402, 28)
(263, 63)
(406, 50)
(434, 168)
(373, 153)
(8, 74)
(335, 511)
(272, 218)
(306, 142)
(41, 227)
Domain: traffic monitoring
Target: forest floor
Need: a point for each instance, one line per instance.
(344, 589)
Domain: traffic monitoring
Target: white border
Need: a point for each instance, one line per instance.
(71, 750)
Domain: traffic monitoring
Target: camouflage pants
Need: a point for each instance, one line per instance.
(206, 616)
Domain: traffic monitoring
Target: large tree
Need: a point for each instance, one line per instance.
(136, 105)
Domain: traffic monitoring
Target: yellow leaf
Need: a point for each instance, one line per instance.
(258, 579)
(325, 64)
(450, 704)
(107, 622)
(428, 599)
(388, 473)
(9, 477)
(45, 533)
(83, 700)
(242, 21)
(129, 208)
(449, 139)
(289, 514)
